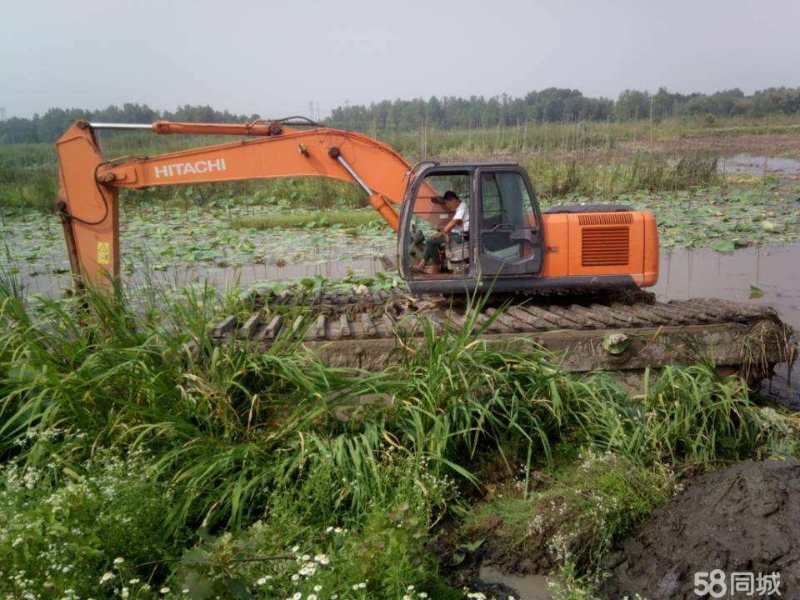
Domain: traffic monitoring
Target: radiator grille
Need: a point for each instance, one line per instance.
(605, 246)
(606, 219)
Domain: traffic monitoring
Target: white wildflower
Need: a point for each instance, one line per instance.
(308, 569)
(107, 576)
(119, 560)
(164, 590)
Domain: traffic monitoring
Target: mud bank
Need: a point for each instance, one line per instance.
(745, 518)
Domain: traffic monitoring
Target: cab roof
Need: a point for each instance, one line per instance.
(430, 165)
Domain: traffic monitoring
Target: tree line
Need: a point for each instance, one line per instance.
(449, 112)
(49, 126)
(560, 104)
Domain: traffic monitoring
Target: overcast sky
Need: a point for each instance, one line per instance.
(275, 58)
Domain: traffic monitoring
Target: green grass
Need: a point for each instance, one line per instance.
(563, 158)
(219, 469)
(262, 452)
(575, 520)
(308, 219)
(27, 177)
(570, 137)
(609, 178)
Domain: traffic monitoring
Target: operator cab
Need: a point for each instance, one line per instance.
(499, 246)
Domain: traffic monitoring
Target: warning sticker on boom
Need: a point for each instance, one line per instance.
(103, 253)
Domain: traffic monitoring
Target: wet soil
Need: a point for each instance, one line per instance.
(756, 144)
(745, 518)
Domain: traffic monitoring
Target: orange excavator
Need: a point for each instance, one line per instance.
(506, 242)
(583, 259)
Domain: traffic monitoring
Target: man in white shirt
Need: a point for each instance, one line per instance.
(457, 228)
(460, 221)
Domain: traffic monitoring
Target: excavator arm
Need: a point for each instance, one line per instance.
(89, 184)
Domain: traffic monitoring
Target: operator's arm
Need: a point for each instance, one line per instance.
(453, 222)
(458, 218)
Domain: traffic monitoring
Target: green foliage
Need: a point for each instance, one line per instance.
(218, 438)
(575, 520)
(557, 105)
(721, 218)
(297, 548)
(543, 106)
(308, 219)
(62, 526)
(686, 414)
(27, 177)
(646, 172)
(568, 585)
(50, 125)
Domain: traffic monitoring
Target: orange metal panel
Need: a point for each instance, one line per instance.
(651, 250)
(292, 154)
(556, 245)
(94, 222)
(605, 235)
(575, 244)
(89, 186)
(634, 254)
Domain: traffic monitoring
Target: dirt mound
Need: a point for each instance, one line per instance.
(745, 518)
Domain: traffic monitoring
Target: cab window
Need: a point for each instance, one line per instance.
(506, 202)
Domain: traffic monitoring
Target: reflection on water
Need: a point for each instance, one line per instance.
(247, 275)
(773, 273)
(221, 277)
(749, 164)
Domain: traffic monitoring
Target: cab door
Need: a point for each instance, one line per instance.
(508, 224)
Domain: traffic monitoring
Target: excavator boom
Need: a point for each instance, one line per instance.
(590, 255)
(89, 184)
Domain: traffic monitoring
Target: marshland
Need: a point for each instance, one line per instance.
(142, 461)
